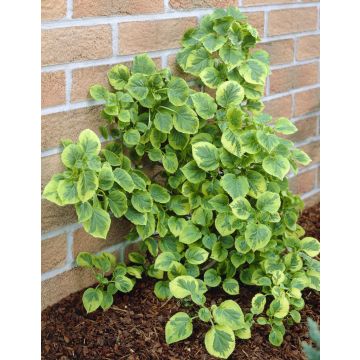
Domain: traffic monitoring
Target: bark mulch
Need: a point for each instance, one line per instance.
(133, 328)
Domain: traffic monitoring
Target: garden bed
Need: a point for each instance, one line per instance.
(133, 328)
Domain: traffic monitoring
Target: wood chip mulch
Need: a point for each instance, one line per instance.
(133, 329)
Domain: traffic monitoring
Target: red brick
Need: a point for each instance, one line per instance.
(266, 2)
(256, 19)
(303, 182)
(279, 107)
(313, 150)
(306, 128)
(280, 51)
(307, 102)
(191, 4)
(308, 47)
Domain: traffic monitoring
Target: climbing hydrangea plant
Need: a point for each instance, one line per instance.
(202, 176)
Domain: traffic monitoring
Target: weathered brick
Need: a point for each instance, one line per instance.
(68, 125)
(292, 77)
(281, 51)
(266, 2)
(87, 8)
(308, 47)
(190, 4)
(141, 36)
(176, 69)
(306, 128)
(64, 284)
(313, 150)
(312, 200)
(53, 9)
(279, 107)
(54, 216)
(256, 19)
(307, 101)
(303, 182)
(85, 242)
(53, 253)
(50, 165)
(52, 88)
(83, 79)
(76, 43)
(292, 21)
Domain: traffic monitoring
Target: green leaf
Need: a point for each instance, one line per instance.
(118, 76)
(176, 225)
(219, 253)
(99, 223)
(161, 290)
(257, 236)
(225, 223)
(241, 208)
(148, 229)
(212, 278)
(276, 165)
(254, 71)
(230, 314)
(123, 178)
(124, 284)
(137, 86)
(170, 162)
(310, 245)
(235, 186)
(178, 140)
(84, 211)
(219, 203)
(301, 157)
(204, 314)
(197, 61)
(72, 155)
(189, 234)
(112, 158)
(229, 93)
(87, 184)
(178, 91)
(231, 286)
(163, 122)
(193, 173)
(131, 137)
(98, 92)
(268, 201)
(50, 191)
(204, 105)
(178, 328)
(268, 141)
(279, 307)
(275, 337)
(213, 42)
(196, 255)
(159, 193)
(295, 316)
(231, 56)
(142, 201)
(206, 155)
(244, 333)
(185, 120)
(231, 142)
(143, 64)
(211, 77)
(164, 260)
(183, 286)
(106, 177)
(117, 203)
(67, 191)
(258, 303)
(180, 205)
(136, 258)
(220, 341)
(89, 142)
(285, 126)
(249, 142)
(92, 299)
(84, 259)
(257, 183)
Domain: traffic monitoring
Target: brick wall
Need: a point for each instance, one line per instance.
(81, 39)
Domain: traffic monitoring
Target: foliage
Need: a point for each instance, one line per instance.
(312, 353)
(206, 172)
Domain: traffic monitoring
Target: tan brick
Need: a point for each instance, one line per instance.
(312, 200)
(308, 47)
(77, 43)
(141, 36)
(52, 88)
(281, 51)
(256, 19)
(292, 77)
(292, 21)
(266, 2)
(68, 125)
(83, 79)
(279, 107)
(86, 8)
(303, 182)
(190, 4)
(306, 128)
(53, 9)
(307, 102)
(176, 69)
(50, 165)
(53, 253)
(85, 242)
(54, 216)
(313, 150)
(60, 286)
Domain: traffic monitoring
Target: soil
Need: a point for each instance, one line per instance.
(133, 328)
